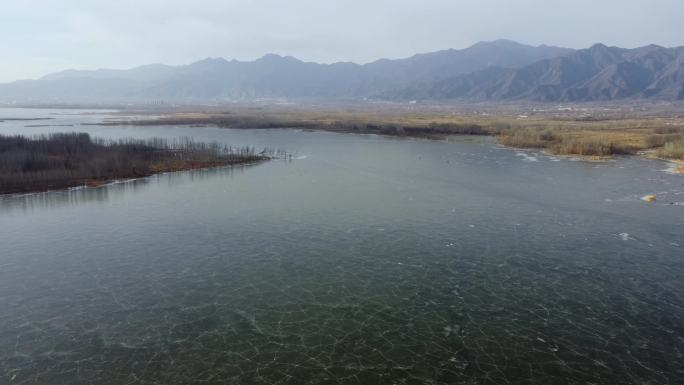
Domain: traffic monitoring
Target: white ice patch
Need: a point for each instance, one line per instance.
(527, 157)
(672, 168)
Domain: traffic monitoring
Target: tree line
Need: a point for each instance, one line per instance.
(68, 159)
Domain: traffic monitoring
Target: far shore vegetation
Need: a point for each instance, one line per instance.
(584, 136)
(58, 161)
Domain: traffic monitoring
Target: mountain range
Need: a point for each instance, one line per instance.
(501, 70)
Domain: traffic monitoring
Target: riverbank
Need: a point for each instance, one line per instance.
(677, 166)
(581, 135)
(61, 161)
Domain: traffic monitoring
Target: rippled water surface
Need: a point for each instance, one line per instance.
(363, 260)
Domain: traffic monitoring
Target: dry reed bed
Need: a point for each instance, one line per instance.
(582, 136)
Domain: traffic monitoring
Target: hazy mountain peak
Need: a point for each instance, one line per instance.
(499, 43)
(211, 60)
(599, 47)
(653, 47)
(271, 56)
(275, 58)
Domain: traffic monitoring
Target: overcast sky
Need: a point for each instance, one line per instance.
(42, 36)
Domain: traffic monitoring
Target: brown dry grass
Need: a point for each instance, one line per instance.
(672, 150)
(563, 136)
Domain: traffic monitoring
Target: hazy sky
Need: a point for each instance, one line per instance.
(42, 36)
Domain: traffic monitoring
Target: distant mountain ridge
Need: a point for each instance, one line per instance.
(599, 73)
(500, 70)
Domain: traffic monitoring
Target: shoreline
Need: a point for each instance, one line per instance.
(588, 140)
(677, 166)
(94, 182)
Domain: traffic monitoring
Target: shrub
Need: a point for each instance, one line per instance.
(669, 130)
(575, 146)
(653, 141)
(528, 138)
(673, 150)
